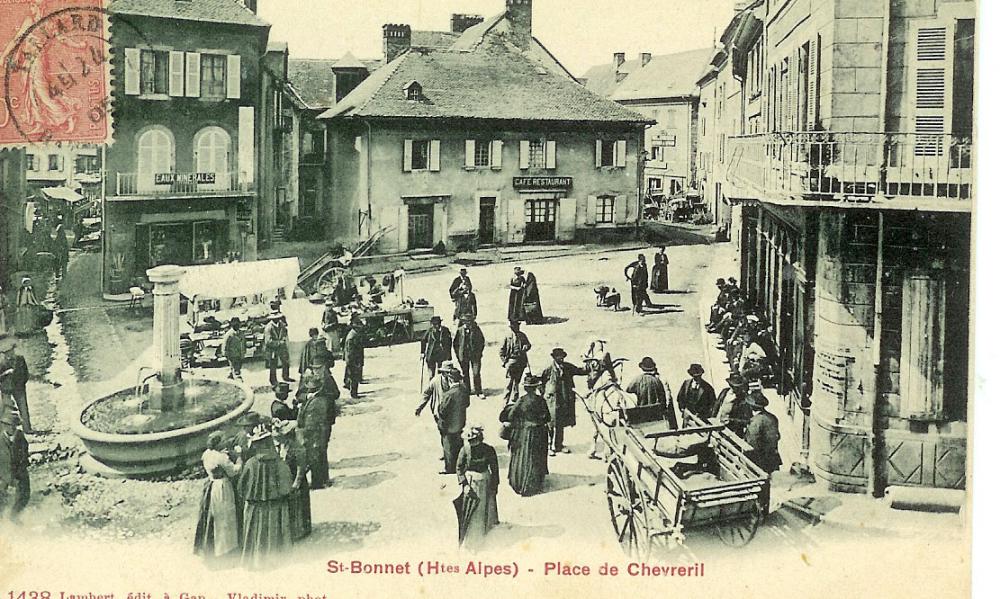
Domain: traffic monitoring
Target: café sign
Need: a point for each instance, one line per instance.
(172, 178)
(543, 182)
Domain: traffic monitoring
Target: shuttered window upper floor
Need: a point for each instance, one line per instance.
(158, 73)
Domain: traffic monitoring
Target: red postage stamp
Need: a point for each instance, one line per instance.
(56, 77)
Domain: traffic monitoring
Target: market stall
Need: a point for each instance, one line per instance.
(217, 293)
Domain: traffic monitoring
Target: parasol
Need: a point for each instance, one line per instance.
(465, 506)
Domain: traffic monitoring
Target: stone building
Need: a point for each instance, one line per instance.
(853, 171)
(13, 190)
(663, 88)
(487, 141)
(183, 171)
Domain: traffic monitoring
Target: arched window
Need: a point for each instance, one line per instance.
(156, 156)
(211, 154)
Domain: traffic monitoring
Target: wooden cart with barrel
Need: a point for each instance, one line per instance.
(661, 482)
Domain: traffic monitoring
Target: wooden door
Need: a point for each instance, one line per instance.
(487, 220)
(539, 220)
(420, 227)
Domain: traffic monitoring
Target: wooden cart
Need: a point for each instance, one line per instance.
(650, 496)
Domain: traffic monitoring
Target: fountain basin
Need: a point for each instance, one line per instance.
(123, 438)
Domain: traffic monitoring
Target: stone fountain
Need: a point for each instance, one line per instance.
(159, 425)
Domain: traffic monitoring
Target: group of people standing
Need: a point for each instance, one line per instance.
(642, 280)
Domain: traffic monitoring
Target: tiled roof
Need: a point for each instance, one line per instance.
(313, 80)
(349, 61)
(494, 81)
(432, 39)
(665, 76)
(668, 76)
(209, 11)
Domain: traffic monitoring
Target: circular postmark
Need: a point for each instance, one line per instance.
(56, 74)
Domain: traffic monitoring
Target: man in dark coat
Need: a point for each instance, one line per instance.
(314, 353)
(234, 348)
(649, 390)
(514, 358)
(317, 414)
(696, 395)
(731, 407)
(354, 357)
(762, 435)
(638, 276)
(462, 280)
(276, 347)
(449, 399)
(13, 463)
(14, 379)
(330, 325)
(435, 347)
(466, 305)
(469, 345)
(560, 397)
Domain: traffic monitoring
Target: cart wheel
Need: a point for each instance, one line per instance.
(326, 282)
(628, 513)
(738, 533)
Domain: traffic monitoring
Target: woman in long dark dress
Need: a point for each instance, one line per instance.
(479, 472)
(218, 532)
(294, 454)
(266, 487)
(26, 310)
(515, 302)
(532, 303)
(529, 440)
(660, 275)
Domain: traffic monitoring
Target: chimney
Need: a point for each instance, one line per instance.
(395, 41)
(519, 16)
(618, 62)
(646, 57)
(459, 23)
(251, 5)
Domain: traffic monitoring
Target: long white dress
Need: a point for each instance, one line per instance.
(222, 502)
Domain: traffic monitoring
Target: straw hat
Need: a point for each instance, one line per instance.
(473, 432)
(531, 382)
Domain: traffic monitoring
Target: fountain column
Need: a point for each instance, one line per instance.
(167, 335)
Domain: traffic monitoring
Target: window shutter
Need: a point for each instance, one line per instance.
(620, 210)
(407, 155)
(496, 154)
(930, 84)
(233, 76)
(132, 58)
(566, 229)
(621, 147)
(193, 74)
(550, 154)
(592, 209)
(435, 158)
(176, 82)
(470, 153)
(515, 220)
(598, 150)
(525, 154)
(814, 66)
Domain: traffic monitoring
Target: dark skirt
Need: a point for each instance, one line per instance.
(528, 459)
(515, 306)
(300, 512)
(660, 278)
(267, 532)
(533, 312)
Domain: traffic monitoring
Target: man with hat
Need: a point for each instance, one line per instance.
(719, 307)
(638, 276)
(449, 401)
(469, 345)
(331, 325)
(515, 301)
(514, 358)
(13, 463)
(14, 378)
(314, 353)
(696, 395)
(560, 397)
(247, 423)
(731, 406)
(354, 356)
(762, 435)
(435, 347)
(280, 408)
(462, 280)
(234, 348)
(466, 305)
(649, 390)
(317, 415)
(276, 347)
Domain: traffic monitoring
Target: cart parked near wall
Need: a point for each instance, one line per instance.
(661, 482)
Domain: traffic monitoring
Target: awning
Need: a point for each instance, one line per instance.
(238, 279)
(62, 193)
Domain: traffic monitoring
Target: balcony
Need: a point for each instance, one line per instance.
(146, 185)
(904, 170)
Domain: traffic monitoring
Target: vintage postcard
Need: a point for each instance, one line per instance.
(310, 299)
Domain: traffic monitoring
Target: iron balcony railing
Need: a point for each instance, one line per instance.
(851, 166)
(152, 184)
